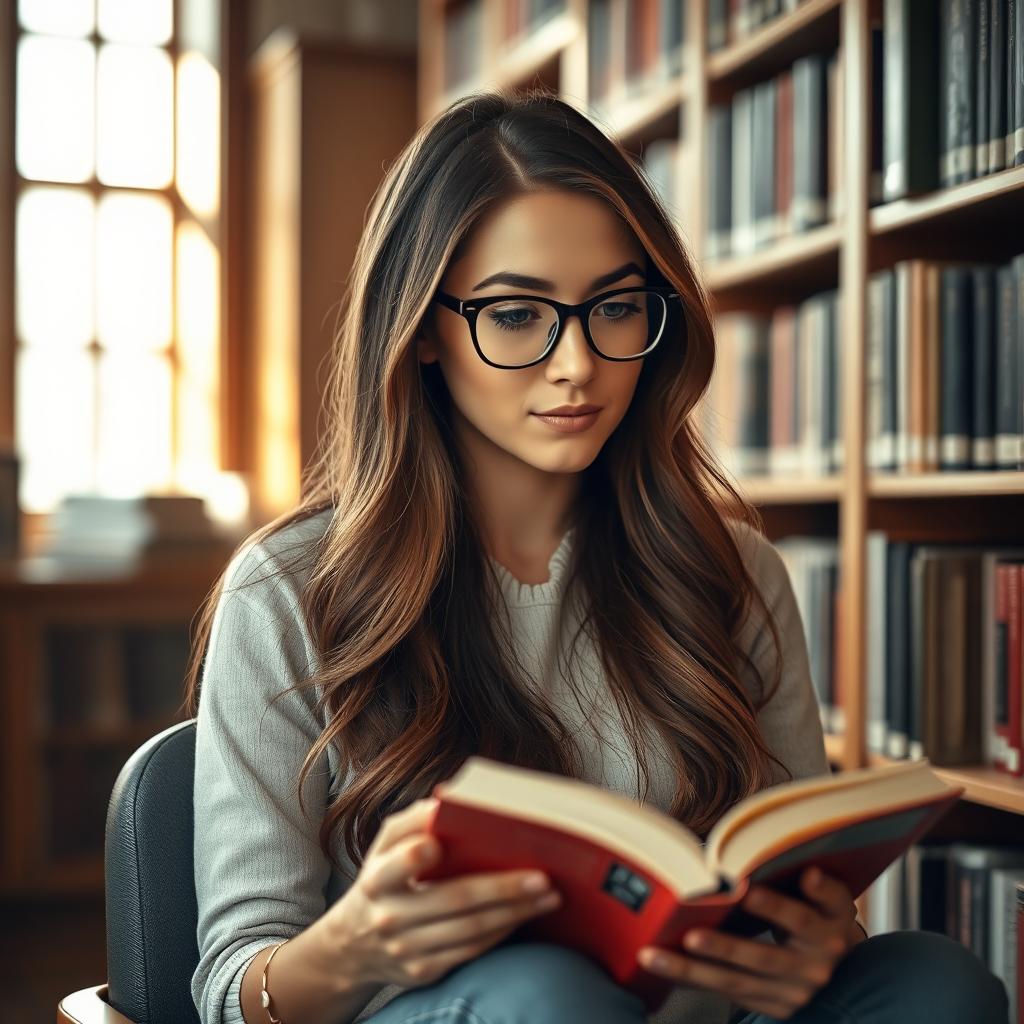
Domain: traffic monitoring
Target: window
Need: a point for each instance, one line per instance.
(117, 244)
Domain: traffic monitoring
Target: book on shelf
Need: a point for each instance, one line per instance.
(954, 94)
(972, 892)
(631, 875)
(945, 366)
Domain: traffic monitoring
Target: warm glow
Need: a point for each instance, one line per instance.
(57, 17)
(198, 308)
(198, 164)
(133, 452)
(136, 21)
(134, 115)
(55, 413)
(55, 243)
(55, 112)
(133, 271)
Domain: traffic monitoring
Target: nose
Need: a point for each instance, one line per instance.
(571, 354)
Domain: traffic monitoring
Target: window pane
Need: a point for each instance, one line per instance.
(57, 17)
(198, 324)
(134, 406)
(54, 424)
(198, 170)
(136, 21)
(199, 28)
(55, 248)
(134, 111)
(55, 108)
(133, 271)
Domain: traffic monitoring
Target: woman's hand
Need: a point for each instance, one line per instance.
(390, 927)
(776, 980)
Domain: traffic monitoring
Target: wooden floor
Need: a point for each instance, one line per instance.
(46, 951)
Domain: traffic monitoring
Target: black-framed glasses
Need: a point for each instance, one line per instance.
(511, 332)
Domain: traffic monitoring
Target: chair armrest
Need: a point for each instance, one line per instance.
(89, 1006)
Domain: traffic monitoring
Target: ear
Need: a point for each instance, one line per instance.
(426, 350)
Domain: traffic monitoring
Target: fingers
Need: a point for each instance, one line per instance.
(777, 998)
(414, 818)
(806, 924)
(830, 894)
(395, 866)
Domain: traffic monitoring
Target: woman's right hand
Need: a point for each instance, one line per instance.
(389, 927)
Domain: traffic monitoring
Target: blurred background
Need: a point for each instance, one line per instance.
(182, 187)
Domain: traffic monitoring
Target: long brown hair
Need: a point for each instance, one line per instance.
(413, 674)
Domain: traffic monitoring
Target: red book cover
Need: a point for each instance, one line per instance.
(1013, 666)
(613, 903)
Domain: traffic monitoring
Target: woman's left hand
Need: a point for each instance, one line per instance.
(764, 978)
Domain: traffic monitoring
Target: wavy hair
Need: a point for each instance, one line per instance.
(415, 671)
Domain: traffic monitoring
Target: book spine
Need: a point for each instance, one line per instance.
(982, 428)
(1013, 663)
(1001, 675)
(1007, 398)
(957, 315)
(997, 85)
(981, 94)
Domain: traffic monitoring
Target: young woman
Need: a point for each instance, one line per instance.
(581, 594)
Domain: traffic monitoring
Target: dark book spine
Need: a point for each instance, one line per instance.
(911, 103)
(810, 135)
(1018, 85)
(719, 180)
(897, 628)
(1010, 84)
(918, 597)
(764, 162)
(955, 388)
(718, 24)
(1018, 276)
(983, 421)
(983, 49)
(876, 190)
(1007, 396)
(956, 120)
(997, 85)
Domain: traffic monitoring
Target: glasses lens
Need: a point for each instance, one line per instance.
(627, 323)
(516, 332)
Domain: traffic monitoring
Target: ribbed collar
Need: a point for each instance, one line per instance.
(521, 595)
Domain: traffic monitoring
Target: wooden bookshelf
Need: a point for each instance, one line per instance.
(965, 506)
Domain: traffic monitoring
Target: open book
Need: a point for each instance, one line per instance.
(631, 875)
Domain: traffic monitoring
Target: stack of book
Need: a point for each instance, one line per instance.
(954, 92)
(773, 406)
(93, 528)
(774, 158)
(945, 657)
(945, 364)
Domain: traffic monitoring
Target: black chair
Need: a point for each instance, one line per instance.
(151, 910)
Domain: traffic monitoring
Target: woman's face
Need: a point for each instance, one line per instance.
(567, 241)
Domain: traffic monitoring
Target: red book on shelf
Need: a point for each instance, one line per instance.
(632, 876)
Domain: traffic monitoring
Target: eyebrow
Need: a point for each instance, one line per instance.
(542, 285)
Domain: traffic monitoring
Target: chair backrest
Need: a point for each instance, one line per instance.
(150, 887)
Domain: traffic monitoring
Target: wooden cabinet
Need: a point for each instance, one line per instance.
(90, 669)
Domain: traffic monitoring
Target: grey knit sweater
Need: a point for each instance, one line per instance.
(259, 872)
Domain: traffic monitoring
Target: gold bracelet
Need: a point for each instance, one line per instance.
(264, 994)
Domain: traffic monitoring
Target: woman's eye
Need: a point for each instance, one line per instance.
(512, 318)
(617, 310)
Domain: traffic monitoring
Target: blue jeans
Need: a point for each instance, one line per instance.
(893, 978)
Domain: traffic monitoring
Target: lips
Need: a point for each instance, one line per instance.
(570, 410)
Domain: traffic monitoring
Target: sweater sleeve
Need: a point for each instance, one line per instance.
(259, 872)
(790, 721)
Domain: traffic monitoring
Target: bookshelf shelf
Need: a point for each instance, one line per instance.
(983, 785)
(945, 485)
(813, 25)
(791, 490)
(800, 262)
(993, 197)
(642, 114)
(523, 59)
